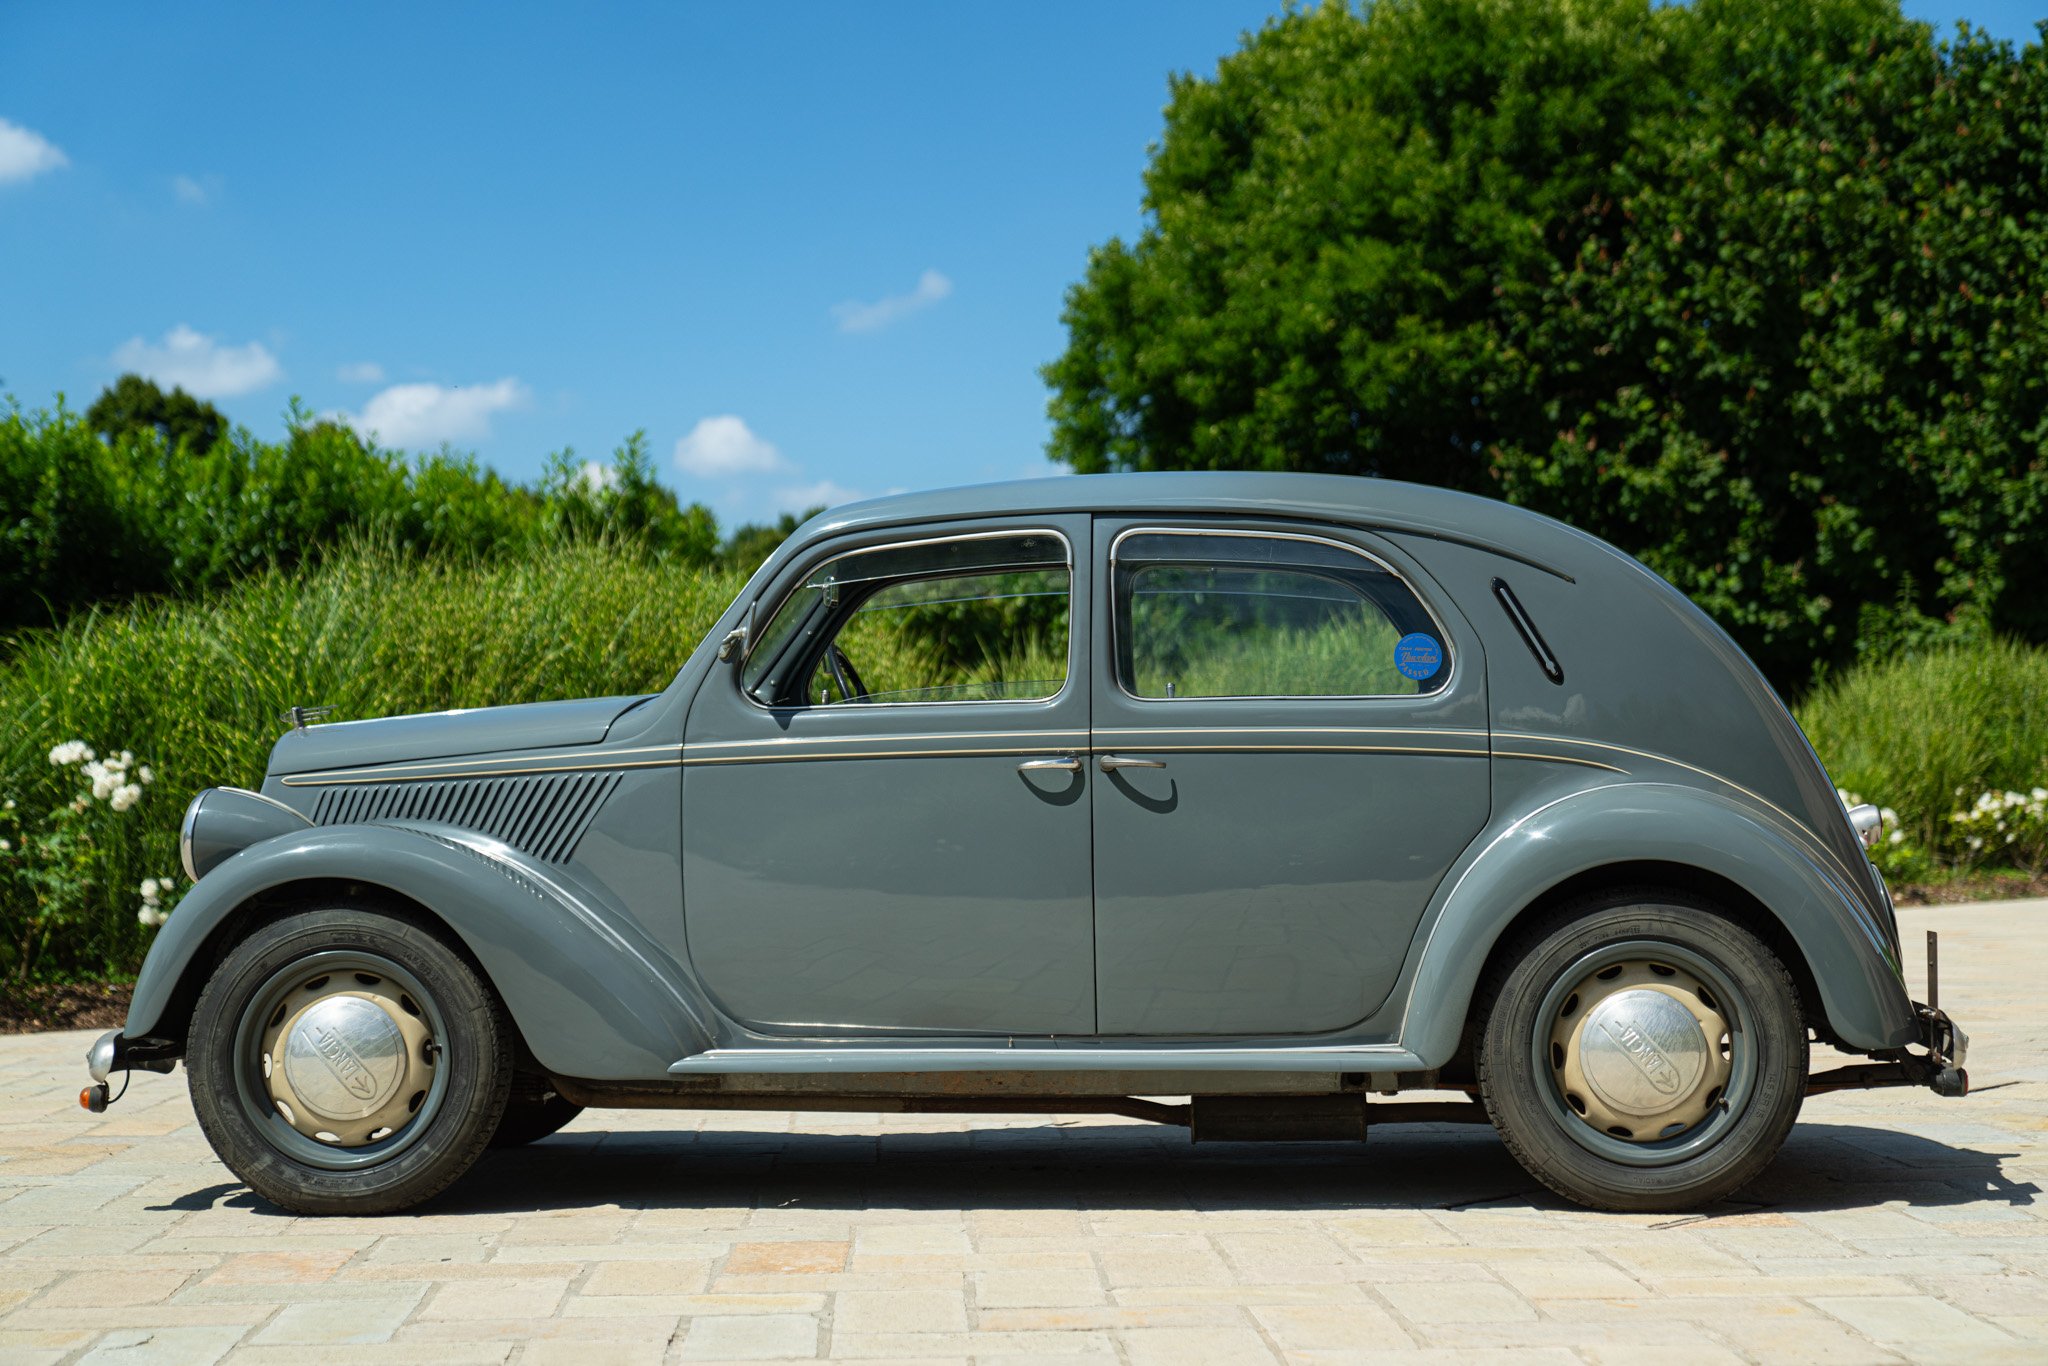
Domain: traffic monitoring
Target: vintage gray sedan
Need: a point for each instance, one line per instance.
(1283, 794)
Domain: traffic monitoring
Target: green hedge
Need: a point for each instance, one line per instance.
(88, 519)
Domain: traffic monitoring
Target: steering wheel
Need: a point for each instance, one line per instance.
(845, 677)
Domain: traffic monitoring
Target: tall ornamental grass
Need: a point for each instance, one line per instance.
(196, 689)
(1930, 733)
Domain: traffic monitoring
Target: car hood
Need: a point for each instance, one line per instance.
(448, 734)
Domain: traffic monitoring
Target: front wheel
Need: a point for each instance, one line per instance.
(1642, 1052)
(348, 1061)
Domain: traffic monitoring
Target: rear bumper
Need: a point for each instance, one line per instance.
(1939, 1067)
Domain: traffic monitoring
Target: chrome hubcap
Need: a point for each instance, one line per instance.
(1641, 1050)
(347, 1058)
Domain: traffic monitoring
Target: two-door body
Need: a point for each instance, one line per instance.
(1269, 790)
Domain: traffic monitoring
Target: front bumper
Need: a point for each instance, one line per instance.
(111, 1053)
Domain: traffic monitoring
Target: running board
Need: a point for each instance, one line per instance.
(1079, 1058)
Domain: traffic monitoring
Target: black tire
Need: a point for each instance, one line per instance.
(533, 1112)
(1545, 1124)
(470, 1056)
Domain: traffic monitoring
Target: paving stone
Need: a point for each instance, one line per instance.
(1351, 1327)
(1022, 1289)
(337, 1321)
(495, 1298)
(162, 1347)
(1570, 1280)
(278, 1268)
(1456, 1302)
(899, 1311)
(110, 1289)
(785, 1258)
(1914, 1321)
(751, 1337)
(647, 1278)
(1222, 1346)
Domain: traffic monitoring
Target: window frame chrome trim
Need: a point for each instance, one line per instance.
(1116, 674)
(817, 563)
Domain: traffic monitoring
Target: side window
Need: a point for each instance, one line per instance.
(968, 619)
(1213, 614)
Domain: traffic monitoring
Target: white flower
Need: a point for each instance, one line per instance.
(127, 758)
(1976, 841)
(10, 803)
(1898, 837)
(80, 804)
(5, 846)
(1887, 815)
(144, 774)
(105, 786)
(125, 796)
(70, 752)
(150, 916)
(149, 889)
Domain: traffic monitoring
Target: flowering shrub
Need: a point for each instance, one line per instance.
(51, 868)
(2004, 827)
(1898, 855)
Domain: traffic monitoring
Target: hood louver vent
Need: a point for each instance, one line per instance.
(543, 817)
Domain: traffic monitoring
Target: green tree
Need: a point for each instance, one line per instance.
(751, 544)
(133, 404)
(1753, 288)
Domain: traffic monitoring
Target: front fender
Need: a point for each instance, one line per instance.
(1850, 957)
(592, 996)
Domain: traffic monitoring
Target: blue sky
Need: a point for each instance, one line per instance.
(814, 250)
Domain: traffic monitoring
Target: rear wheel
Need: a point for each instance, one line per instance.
(1642, 1052)
(347, 1060)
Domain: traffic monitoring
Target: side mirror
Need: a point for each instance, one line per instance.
(734, 646)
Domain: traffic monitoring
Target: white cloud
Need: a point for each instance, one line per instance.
(200, 364)
(361, 372)
(595, 477)
(720, 447)
(824, 493)
(855, 316)
(189, 190)
(26, 154)
(428, 414)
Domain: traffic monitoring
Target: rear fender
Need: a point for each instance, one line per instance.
(1849, 956)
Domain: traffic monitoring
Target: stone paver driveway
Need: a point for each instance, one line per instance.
(1895, 1225)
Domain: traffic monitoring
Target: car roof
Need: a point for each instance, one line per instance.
(1385, 503)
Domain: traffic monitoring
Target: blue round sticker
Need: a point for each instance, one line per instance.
(1418, 656)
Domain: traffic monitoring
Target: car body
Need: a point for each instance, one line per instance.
(1246, 787)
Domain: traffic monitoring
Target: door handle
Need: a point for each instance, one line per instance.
(1111, 763)
(1066, 763)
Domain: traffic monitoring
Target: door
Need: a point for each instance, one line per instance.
(1291, 750)
(885, 807)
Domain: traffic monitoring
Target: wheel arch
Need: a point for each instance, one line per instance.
(582, 987)
(1642, 835)
(1731, 898)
